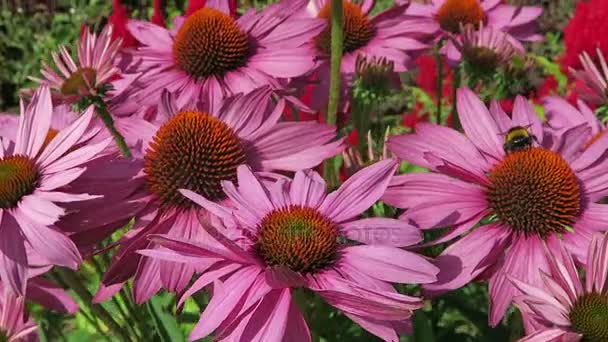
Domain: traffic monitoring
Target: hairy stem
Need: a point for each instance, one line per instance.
(439, 89)
(334, 82)
(105, 116)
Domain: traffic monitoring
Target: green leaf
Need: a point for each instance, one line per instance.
(164, 322)
(423, 329)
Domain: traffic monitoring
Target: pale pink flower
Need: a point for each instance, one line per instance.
(568, 308)
(548, 191)
(282, 236)
(594, 78)
(34, 174)
(485, 49)
(15, 325)
(94, 73)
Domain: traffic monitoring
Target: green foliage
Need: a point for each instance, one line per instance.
(28, 39)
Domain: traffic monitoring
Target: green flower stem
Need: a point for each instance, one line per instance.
(105, 116)
(439, 89)
(337, 38)
(334, 82)
(75, 283)
(455, 84)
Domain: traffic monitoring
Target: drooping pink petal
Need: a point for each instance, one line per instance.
(50, 243)
(225, 298)
(13, 260)
(359, 192)
(390, 264)
(382, 231)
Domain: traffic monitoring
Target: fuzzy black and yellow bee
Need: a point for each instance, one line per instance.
(518, 138)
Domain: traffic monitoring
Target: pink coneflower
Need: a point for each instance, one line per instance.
(209, 54)
(91, 75)
(33, 176)
(565, 308)
(287, 236)
(447, 16)
(197, 148)
(15, 325)
(594, 78)
(390, 35)
(484, 50)
(539, 189)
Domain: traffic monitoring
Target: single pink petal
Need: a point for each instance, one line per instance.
(370, 303)
(382, 231)
(307, 188)
(546, 335)
(297, 329)
(382, 329)
(51, 296)
(270, 320)
(359, 192)
(106, 292)
(147, 280)
(528, 249)
(34, 123)
(40, 210)
(525, 116)
(150, 34)
(478, 124)
(279, 277)
(50, 243)
(390, 264)
(13, 260)
(77, 157)
(207, 278)
(224, 301)
(66, 139)
(465, 259)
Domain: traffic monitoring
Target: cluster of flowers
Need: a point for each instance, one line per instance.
(178, 135)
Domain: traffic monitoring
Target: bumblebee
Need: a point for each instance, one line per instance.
(518, 138)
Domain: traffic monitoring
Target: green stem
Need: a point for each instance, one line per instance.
(123, 311)
(455, 84)
(439, 89)
(105, 116)
(74, 282)
(55, 277)
(337, 37)
(337, 40)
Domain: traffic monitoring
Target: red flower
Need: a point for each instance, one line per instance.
(119, 19)
(158, 16)
(427, 76)
(410, 120)
(586, 32)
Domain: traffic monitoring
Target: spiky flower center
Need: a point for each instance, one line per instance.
(80, 82)
(482, 58)
(455, 12)
(193, 151)
(589, 317)
(299, 238)
(210, 43)
(534, 191)
(357, 28)
(18, 178)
